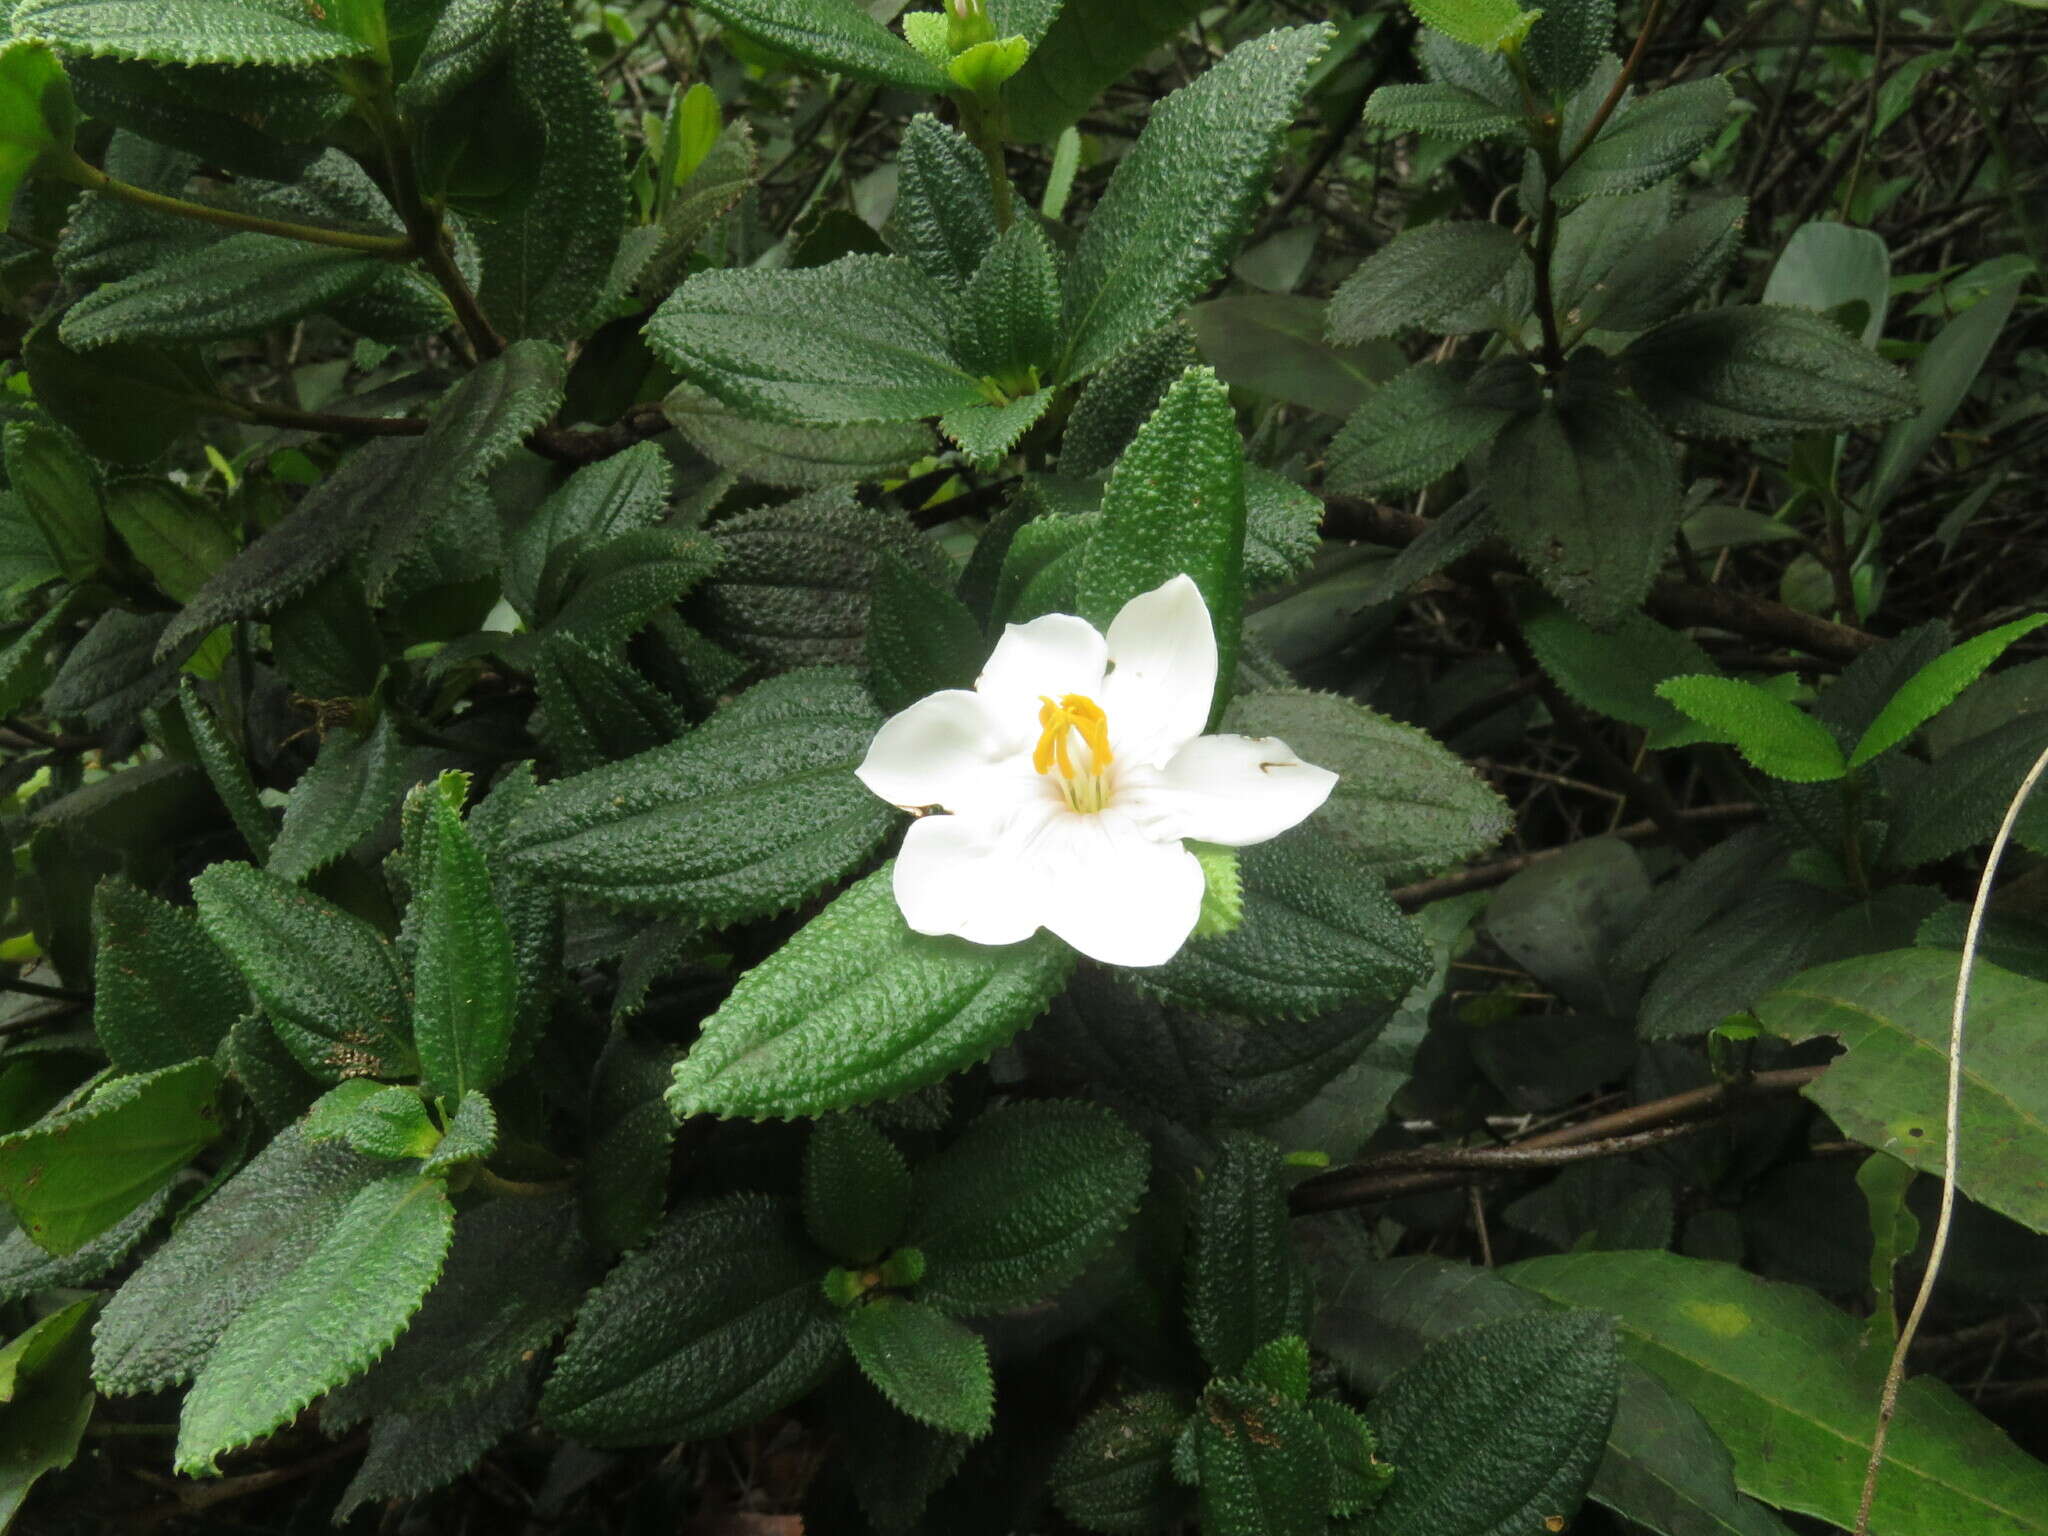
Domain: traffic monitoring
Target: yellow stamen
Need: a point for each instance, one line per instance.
(1074, 715)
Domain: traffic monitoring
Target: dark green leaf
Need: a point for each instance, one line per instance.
(227, 770)
(1424, 279)
(1246, 1287)
(353, 785)
(856, 1189)
(1656, 278)
(176, 537)
(416, 1452)
(162, 993)
(1009, 326)
(1617, 673)
(1568, 41)
(800, 457)
(60, 489)
(837, 36)
(1116, 1473)
(128, 404)
(624, 1176)
(48, 1401)
(185, 31)
(1121, 398)
(593, 506)
(1412, 429)
(1978, 781)
(945, 212)
(463, 978)
(595, 709)
(1442, 111)
(921, 638)
(239, 286)
(1651, 137)
(930, 1366)
(1087, 49)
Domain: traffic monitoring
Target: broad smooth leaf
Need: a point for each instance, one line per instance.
(838, 36)
(1174, 506)
(178, 539)
(163, 993)
(1776, 737)
(1087, 49)
(1943, 377)
(73, 1175)
(931, 1366)
(856, 1007)
(185, 31)
(719, 1320)
(323, 1322)
(1782, 1378)
(1273, 343)
(463, 977)
(1934, 687)
(1183, 197)
(1889, 1088)
(750, 813)
(1017, 1207)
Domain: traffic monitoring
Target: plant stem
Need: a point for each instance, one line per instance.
(93, 179)
(984, 127)
(498, 1184)
(1621, 83)
(423, 222)
(40, 989)
(271, 415)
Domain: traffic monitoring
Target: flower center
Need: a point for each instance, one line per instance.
(1060, 723)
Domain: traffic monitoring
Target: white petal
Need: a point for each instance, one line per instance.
(1050, 657)
(1233, 790)
(1114, 893)
(949, 749)
(972, 878)
(1163, 648)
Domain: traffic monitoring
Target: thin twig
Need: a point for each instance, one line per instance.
(1951, 1152)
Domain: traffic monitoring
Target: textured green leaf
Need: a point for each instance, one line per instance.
(615, 589)
(834, 35)
(1009, 325)
(1487, 24)
(329, 980)
(60, 490)
(1024, 1201)
(1319, 932)
(227, 770)
(1651, 137)
(652, 257)
(1174, 506)
(1121, 398)
(596, 709)
(126, 403)
(186, 31)
(623, 1179)
(1654, 279)
(1978, 780)
(463, 978)
(162, 993)
(241, 286)
(1568, 41)
(1782, 1378)
(863, 339)
(1776, 737)
(1441, 111)
(73, 1175)
(857, 1008)
(1412, 429)
(547, 240)
(471, 1137)
(1245, 1286)
(1262, 1462)
(747, 815)
(1588, 496)
(931, 1367)
(1892, 1013)
(945, 212)
(1115, 1474)
(856, 1189)
(985, 433)
(1184, 196)
(323, 1322)
(49, 1403)
(1617, 673)
(716, 1322)
(176, 537)
(1281, 523)
(1403, 804)
(1756, 371)
(1934, 687)
(800, 457)
(921, 638)
(387, 1122)
(24, 665)
(416, 1452)
(353, 785)
(600, 501)
(1423, 279)
(1497, 1429)
(109, 677)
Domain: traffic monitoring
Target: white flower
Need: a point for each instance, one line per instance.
(1074, 772)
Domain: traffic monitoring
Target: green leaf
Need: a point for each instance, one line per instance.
(1894, 1235)
(1425, 278)
(376, 1121)
(25, 669)
(1445, 112)
(1281, 523)
(1245, 1286)
(73, 1175)
(463, 978)
(856, 1008)
(1942, 378)
(176, 537)
(548, 238)
(1319, 933)
(1588, 496)
(162, 993)
(471, 1137)
(322, 1323)
(1650, 138)
(1934, 687)
(467, 38)
(623, 1180)
(652, 257)
(1497, 1429)
(329, 980)
(415, 1452)
(1174, 506)
(1978, 780)
(128, 404)
(1414, 428)
(1115, 1474)
(716, 1322)
(226, 770)
(1617, 673)
(1184, 195)
(837, 36)
(1026, 1199)
(49, 1400)
(931, 1367)
(37, 114)
(796, 582)
(1360, 1478)
(1754, 371)
(596, 709)
(1404, 805)
(863, 339)
(750, 813)
(1488, 24)
(616, 588)
(186, 31)
(985, 433)
(1776, 737)
(800, 457)
(1654, 279)
(1084, 51)
(353, 785)
(1009, 325)
(60, 490)
(1781, 1377)
(921, 638)
(945, 217)
(1892, 1012)
(1262, 1463)
(244, 284)
(1119, 400)
(856, 1189)
(593, 506)
(1569, 40)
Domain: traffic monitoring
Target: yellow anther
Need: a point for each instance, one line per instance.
(1074, 715)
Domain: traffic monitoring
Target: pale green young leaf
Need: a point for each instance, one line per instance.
(930, 1366)
(1488, 24)
(986, 432)
(1934, 687)
(37, 114)
(186, 31)
(1777, 738)
(377, 1121)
